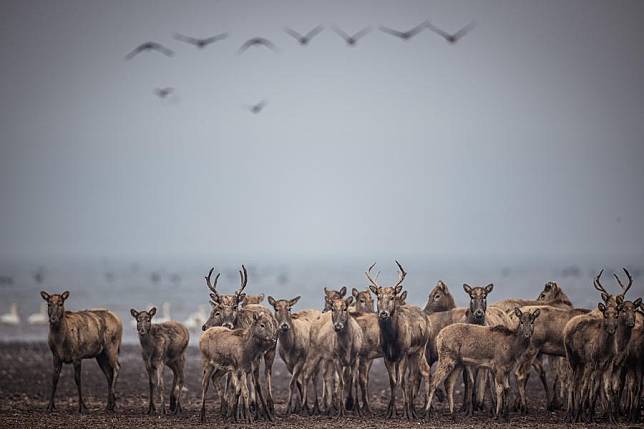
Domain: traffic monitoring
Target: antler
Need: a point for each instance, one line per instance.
(402, 275)
(243, 275)
(630, 282)
(371, 280)
(598, 285)
(212, 287)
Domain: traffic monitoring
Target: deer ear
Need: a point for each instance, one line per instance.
(261, 297)
(398, 289)
(255, 317)
(349, 301)
(343, 291)
(467, 288)
(637, 302)
(441, 285)
(374, 290)
(65, 295)
(44, 295)
(403, 297)
(294, 301)
(605, 297)
(271, 300)
(535, 313)
(489, 288)
(152, 311)
(601, 307)
(134, 313)
(517, 312)
(619, 299)
(355, 292)
(547, 286)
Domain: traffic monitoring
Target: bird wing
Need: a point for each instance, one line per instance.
(463, 31)
(437, 30)
(392, 31)
(187, 39)
(135, 52)
(417, 29)
(257, 41)
(293, 33)
(361, 33)
(213, 39)
(160, 48)
(341, 33)
(317, 30)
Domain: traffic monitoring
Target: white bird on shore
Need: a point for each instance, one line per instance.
(195, 321)
(40, 318)
(12, 317)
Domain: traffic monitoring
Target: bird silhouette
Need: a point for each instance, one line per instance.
(163, 92)
(404, 35)
(306, 38)
(149, 47)
(352, 39)
(200, 43)
(257, 108)
(257, 41)
(454, 37)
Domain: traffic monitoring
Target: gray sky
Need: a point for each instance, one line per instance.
(527, 138)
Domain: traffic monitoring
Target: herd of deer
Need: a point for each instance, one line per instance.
(593, 354)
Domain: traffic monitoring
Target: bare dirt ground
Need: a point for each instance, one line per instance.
(25, 379)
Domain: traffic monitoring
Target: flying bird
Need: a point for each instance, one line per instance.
(257, 41)
(163, 92)
(352, 40)
(257, 108)
(304, 39)
(149, 47)
(451, 38)
(404, 35)
(200, 43)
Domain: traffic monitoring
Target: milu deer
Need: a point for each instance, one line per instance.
(551, 295)
(634, 369)
(331, 295)
(588, 342)
(78, 335)
(293, 346)
(493, 347)
(227, 312)
(233, 352)
(162, 344)
(404, 331)
(252, 299)
(363, 302)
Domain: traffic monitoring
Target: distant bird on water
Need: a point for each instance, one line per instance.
(200, 43)
(454, 37)
(306, 38)
(257, 41)
(149, 47)
(163, 92)
(257, 108)
(352, 40)
(404, 35)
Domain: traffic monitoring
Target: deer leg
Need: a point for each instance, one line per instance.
(340, 389)
(537, 364)
(364, 385)
(160, 384)
(449, 389)
(205, 380)
(443, 370)
(481, 383)
(151, 407)
(255, 391)
(269, 358)
(307, 372)
(468, 400)
(101, 359)
(391, 369)
(58, 365)
(77, 378)
(173, 399)
(499, 387)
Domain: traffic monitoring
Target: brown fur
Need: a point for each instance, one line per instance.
(74, 336)
(162, 344)
(234, 352)
(551, 295)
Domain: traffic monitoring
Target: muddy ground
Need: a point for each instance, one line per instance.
(25, 379)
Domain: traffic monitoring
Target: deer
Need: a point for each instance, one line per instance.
(404, 331)
(294, 343)
(493, 347)
(252, 299)
(162, 344)
(233, 352)
(226, 311)
(634, 368)
(551, 295)
(363, 301)
(588, 342)
(331, 295)
(78, 335)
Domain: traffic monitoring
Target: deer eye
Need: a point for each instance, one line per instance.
(437, 296)
(218, 314)
(262, 325)
(362, 301)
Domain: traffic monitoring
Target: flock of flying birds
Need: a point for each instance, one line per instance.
(303, 39)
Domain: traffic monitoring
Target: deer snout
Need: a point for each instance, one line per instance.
(228, 325)
(479, 313)
(204, 327)
(383, 314)
(338, 326)
(284, 327)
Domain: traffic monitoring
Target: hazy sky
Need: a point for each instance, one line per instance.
(527, 138)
